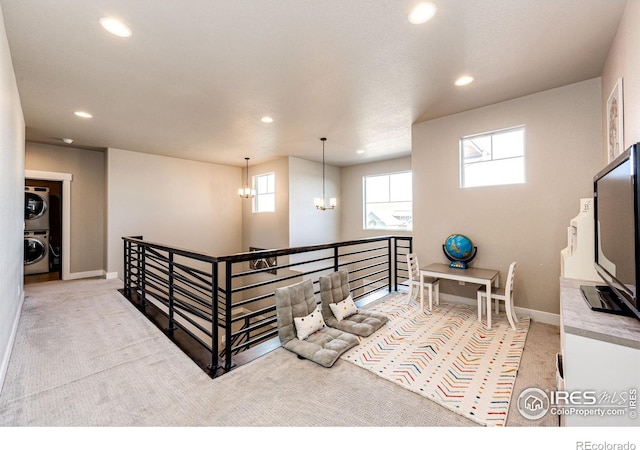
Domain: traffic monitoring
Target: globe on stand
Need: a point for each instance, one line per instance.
(459, 249)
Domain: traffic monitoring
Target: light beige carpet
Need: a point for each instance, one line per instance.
(84, 356)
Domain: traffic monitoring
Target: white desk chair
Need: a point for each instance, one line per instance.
(504, 294)
(417, 281)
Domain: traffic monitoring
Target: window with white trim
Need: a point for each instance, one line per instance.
(492, 159)
(388, 201)
(265, 199)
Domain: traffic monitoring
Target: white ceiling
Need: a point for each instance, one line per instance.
(197, 75)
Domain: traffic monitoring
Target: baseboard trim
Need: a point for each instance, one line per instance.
(537, 316)
(4, 367)
(87, 274)
(110, 275)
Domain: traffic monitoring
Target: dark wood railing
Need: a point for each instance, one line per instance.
(225, 305)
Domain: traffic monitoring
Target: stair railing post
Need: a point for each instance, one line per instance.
(171, 293)
(227, 316)
(390, 263)
(142, 276)
(395, 263)
(127, 267)
(214, 319)
(335, 258)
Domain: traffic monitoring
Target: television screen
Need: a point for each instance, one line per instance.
(616, 229)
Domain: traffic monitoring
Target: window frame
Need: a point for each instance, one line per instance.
(365, 225)
(256, 198)
(491, 134)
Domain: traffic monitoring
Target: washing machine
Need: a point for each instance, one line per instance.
(36, 208)
(36, 252)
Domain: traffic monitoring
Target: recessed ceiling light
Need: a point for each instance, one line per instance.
(464, 80)
(83, 114)
(114, 26)
(67, 140)
(267, 119)
(422, 13)
(360, 152)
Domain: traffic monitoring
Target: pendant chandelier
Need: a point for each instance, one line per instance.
(247, 192)
(321, 203)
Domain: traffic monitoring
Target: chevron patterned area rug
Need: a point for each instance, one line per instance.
(446, 355)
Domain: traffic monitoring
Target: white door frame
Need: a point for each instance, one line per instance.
(66, 213)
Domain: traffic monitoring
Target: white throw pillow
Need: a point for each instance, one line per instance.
(307, 325)
(343, 309)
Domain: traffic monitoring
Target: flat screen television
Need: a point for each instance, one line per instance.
(616, 193)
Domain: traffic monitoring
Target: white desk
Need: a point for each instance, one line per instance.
(486, 277)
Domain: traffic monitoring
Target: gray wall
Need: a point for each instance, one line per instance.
(295, 222)
(623, 62)
(308, 225)
(11, 203)
(186, 204)
(87, 199)
(267, 229)
(526, 223)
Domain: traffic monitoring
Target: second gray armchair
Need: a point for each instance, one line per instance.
(339, 310)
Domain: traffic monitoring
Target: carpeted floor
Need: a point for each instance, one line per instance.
(84, 356)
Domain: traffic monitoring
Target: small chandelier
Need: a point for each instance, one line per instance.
(247, 192)
(321, 203)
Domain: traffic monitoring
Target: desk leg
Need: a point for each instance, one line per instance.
(488, 287)
(430, 297)
(421, 293)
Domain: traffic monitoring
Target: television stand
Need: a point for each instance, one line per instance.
(602, 298)
(600, 355)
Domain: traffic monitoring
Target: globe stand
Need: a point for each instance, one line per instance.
(459, 263)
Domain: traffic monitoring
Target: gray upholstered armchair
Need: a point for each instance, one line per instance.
(339, 311)
(301, 327)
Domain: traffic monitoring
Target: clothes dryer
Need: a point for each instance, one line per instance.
(36, 252)
(36, 208)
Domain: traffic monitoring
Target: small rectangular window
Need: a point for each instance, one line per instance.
(492, 159)
(265, 199)
(388, 202)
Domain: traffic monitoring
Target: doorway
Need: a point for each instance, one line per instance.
(50, 267)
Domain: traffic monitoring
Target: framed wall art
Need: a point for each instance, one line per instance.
(615, 122)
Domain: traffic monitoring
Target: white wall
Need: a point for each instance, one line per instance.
(12, 132)
(180, 203)
(623, 62)
(526, 223)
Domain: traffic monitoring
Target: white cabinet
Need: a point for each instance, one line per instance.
(601, 362)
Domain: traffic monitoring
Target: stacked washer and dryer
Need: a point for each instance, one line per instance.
(36, 231)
